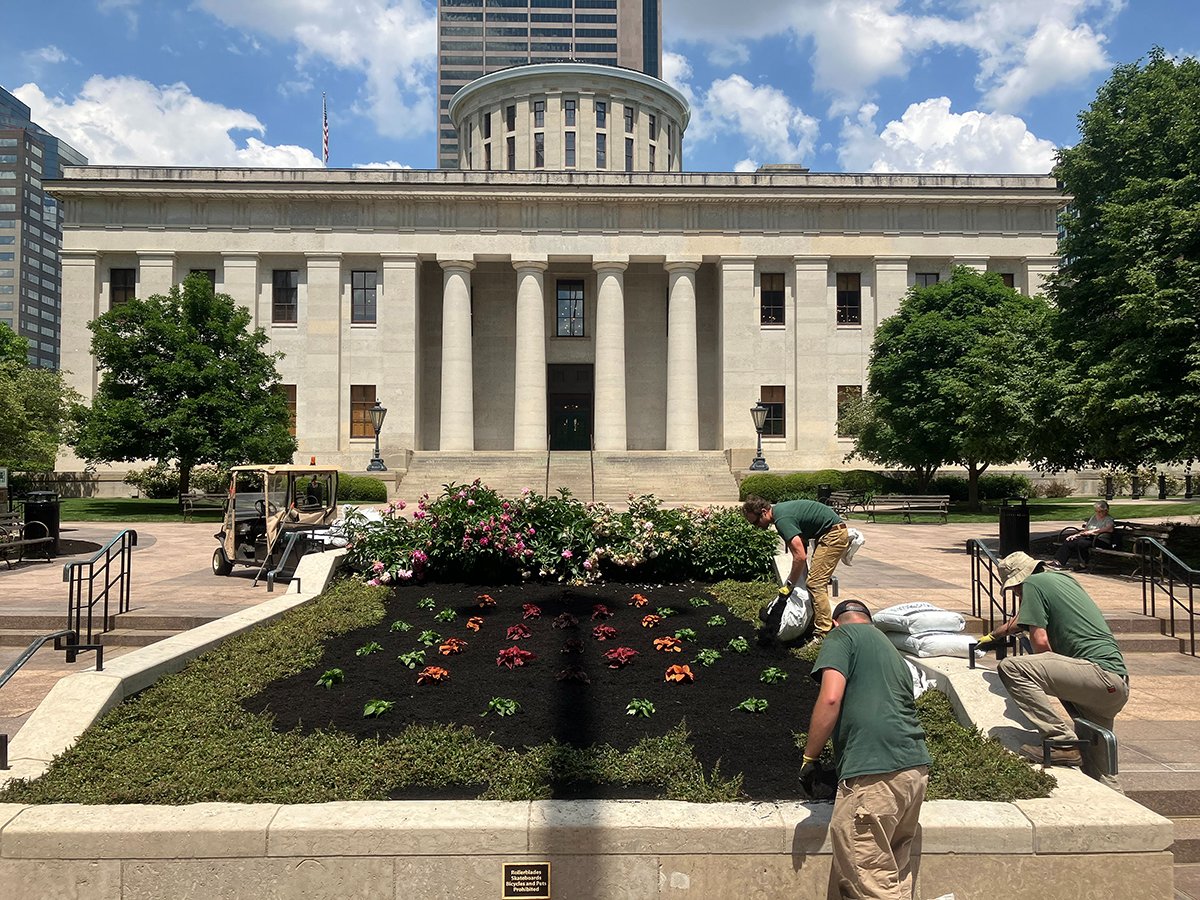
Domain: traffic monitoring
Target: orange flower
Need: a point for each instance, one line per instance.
(651, 620)
(680, 674)
(486, 600)
(668, 645)
(638, 600)
(433, 675)
(475, 622)
(452, 646)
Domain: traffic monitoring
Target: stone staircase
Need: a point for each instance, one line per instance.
(693, 478)
(130, 629)
(508, 473)
(571, 469)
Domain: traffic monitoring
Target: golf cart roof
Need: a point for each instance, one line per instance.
(286, 469)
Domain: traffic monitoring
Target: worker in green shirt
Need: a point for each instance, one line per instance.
(798, 522)
(866, 705)
(1075, 657)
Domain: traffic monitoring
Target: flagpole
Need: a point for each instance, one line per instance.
(324, 130)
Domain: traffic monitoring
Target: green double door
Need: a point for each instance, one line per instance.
(569, 405)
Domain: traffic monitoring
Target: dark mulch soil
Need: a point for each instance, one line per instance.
(761, 746)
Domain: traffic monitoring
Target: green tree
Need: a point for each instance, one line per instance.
(955, 378)
(36, 408)
(186, 381)
(1129, 287)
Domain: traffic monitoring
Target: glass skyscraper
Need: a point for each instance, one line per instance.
(31, 230)
(477, 37)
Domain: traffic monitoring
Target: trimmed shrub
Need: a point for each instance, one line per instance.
(803, 485)
(1054, 490)
(362, 488)
(158, 482)
(997, 487)
(210, 479)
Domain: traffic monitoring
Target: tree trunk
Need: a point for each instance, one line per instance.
(185, 479)
(974, 470)
(924, 476)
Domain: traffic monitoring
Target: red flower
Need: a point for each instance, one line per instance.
(668, 645)
(518, 632)
(513, 657)
(651, 620)
(638, 600)
(619, 657)
(680, 674)
(531, 612)
(433, 675)
(566, 620)
(452, 646)
(600, 611)
(604, 632)
(475, 623)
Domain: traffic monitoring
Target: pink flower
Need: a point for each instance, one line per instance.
(400, 504)
(587, 564)
(483, 542)
(419, 556)
(378, 567)
(470, 503)
(404, 575)
(374, 582)
(567, 554)
(419, 514)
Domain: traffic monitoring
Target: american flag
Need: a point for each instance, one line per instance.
(324, 130)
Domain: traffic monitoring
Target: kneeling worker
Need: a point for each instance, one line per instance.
(1075, 657)
(866, 704)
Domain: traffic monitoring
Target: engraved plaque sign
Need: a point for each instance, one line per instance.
(527, 881)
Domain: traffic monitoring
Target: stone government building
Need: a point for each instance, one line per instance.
(567, 288)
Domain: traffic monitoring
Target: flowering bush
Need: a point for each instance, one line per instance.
(470, 533)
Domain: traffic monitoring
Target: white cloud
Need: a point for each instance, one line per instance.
(746, 165)
(390, 164)
(1057, 55)
(49, 55)
(931, 138)
(127, 8)
(393, 43)
(127, 121)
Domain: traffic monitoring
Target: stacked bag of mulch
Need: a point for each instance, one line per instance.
(925, 630)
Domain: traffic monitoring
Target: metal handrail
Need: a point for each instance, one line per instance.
(99, 565)
(1163, 570)
(35, 646)
(985, 578)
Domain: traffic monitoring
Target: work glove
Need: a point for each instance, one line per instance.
(985, 641)
(816, 781)
(785, 590)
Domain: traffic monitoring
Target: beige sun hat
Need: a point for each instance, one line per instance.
(1016, 567)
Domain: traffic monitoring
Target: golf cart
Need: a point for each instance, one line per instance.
(275, 514)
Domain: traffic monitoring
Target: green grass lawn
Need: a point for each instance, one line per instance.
(1068, 510)
(120, 509)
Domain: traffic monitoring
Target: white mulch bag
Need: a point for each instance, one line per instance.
(921, 681)
(797, 615)
(933, 644)
(857, 539)
(918, 618)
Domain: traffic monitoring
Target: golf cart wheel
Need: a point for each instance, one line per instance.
(221, 565)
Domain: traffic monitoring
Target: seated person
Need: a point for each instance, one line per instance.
(1097, 531)
(314, 495)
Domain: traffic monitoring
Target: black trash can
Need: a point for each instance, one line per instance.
(42, 506)
(824, 492)
(1014, 527)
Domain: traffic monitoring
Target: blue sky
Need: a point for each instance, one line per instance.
(837, 85)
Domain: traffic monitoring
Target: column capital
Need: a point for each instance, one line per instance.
(610, 265)
(682, 265)
(812, 263)
(891, 262)
(240, 258)
(971, 262)
(399, 259)
(78, 257)
(323, 260)
(540, 265)
(162, 257)
(451, 263)
(738, 262)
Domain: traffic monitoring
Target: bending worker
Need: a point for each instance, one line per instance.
(1075, 657)
(866, 704)
(798, 522)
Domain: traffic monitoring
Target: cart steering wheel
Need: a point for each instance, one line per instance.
(262, 508)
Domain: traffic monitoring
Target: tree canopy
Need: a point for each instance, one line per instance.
(955, 378)
(36, 408)
(1129, 287)
(185, 380)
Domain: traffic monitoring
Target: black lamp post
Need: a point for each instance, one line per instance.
(378, 413)
(758, 412)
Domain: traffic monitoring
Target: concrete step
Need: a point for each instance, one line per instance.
(135, 637)
(1171, 794)
(1135, 624)
(508, 473)
(1187, 882)
(696, 478)
(1187, 839)
(571, 470)
(1147, 643)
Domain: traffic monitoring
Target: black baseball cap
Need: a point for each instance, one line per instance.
(846, 606)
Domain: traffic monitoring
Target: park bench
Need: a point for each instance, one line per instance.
(909, 505)
(1124, 550)
(846, 502)
(194, 500)
(16, 537)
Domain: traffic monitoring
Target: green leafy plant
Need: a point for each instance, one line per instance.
(368, 649)
(446, 615)
(698, 602)
(429, 638)
(412, 660)
(426, 603)
(376, 708)
(752, 705)
(501, 706)
(708, 656)
(738, 644)
(773, 675)
(664, 612)
(686, 634)
(717, 621)
(640, 707)
(330, 678)
(400, 626)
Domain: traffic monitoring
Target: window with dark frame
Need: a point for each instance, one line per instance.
(846, 395)
(363, 286)
(652, 121)
(849, 298)
(539, 113)
(362, 398)
(771, 303)
(628, 119)
(122, 286)
(628, 154)
(487, 157)
(601, 151)
(570, 149)
(652, 156)
(539, 150)
(601, 114)
(774, 398)
(510, 118)
(1009, 279)
(289, 397)
(487, 126)
(570, 309)
(926, 279)
(512, 154)
(569, 112)
(285, 294)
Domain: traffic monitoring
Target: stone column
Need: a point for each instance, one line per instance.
(321, 398)
(891, 284)
(610, 430)
(156, 273)
(815, 328)
(458, 403)
(241, 281)
(398, 327)
(80, 305)
(739, 329)
(978, 263)
(529, 407)
(1037, 270)
(683, 410)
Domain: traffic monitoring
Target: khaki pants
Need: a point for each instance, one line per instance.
(1094, 692)
(824, 560)
(872, 830)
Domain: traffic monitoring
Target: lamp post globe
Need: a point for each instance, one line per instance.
(378, 413)
(758, 413)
